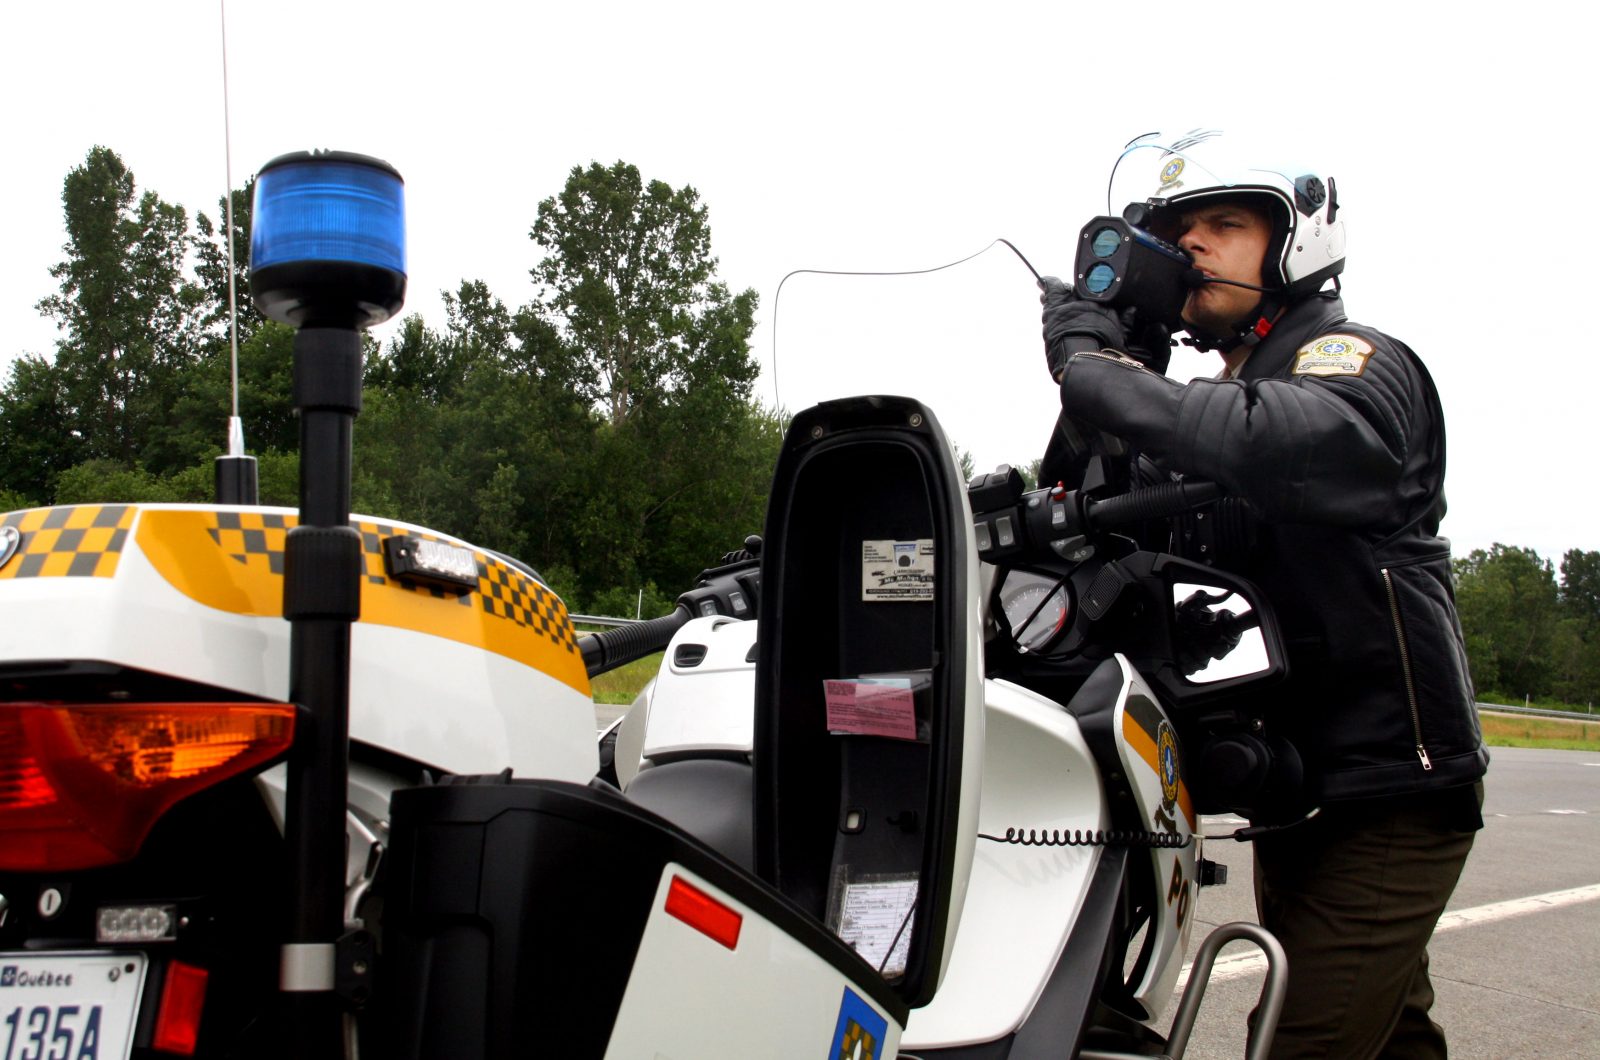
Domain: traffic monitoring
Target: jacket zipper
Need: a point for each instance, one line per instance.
(1405, 670)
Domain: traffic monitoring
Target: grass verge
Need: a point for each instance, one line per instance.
(621, 685)
(1510, 730)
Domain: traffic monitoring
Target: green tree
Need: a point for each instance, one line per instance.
(708, 500)
(479, 336)
(37, 440)
(418, 361)
(126, 309)
(211, 266)
(604, 430)
(480, 327)
(197, 429)
(1578, 663)
(1580, 587)
(628, 277)
(497, 503)
(632, 324)
(1509, 609)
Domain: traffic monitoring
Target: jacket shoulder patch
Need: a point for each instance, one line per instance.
(1333, 355)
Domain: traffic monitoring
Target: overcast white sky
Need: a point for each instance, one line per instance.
(897, 136)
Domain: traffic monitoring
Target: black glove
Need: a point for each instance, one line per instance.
(1097, 327)
(1066, 316)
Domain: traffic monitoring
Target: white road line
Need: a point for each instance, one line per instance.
(1251, 961)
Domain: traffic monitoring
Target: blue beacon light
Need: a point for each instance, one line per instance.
(327, 244)
(328, 257)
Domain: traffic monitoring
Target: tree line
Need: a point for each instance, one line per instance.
(605, 431)
(1530, 635)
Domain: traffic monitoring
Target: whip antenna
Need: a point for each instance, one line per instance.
(235, 472)
(235, 427)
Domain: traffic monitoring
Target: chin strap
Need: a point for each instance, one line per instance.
(1249, 331)
(1253, 328)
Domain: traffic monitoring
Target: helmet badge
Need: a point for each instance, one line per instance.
(1171, 172)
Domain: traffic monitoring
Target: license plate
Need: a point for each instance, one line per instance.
(69, 1006)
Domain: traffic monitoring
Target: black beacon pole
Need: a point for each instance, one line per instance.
(327, 256)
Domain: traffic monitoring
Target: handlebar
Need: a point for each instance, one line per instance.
(1010, 522)
(612, 648)
(730, 589)
(1152, 502)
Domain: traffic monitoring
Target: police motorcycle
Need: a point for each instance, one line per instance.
(278, 782)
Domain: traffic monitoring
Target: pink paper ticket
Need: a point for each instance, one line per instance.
(865, 708)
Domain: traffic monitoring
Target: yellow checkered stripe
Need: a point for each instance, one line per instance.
(77, 541)
(257, 540)
(254, 539)
(503, 591)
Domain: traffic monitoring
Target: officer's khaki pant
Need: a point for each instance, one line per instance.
(1354, 895)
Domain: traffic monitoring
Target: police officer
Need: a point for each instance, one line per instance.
(1333, 434)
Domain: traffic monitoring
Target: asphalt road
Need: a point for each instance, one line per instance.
(1514, 978)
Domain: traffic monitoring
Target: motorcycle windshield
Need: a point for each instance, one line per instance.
(965, 341)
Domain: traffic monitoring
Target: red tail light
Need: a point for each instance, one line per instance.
(183, 999)
(81, 786)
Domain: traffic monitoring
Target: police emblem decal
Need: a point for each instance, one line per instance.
(1333, 355)
(1167, 756)
(9, 540)
(1171, 172)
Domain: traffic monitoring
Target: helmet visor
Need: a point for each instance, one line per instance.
(1176, 167)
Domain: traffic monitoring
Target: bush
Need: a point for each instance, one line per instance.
(108, 482)
(12, 501)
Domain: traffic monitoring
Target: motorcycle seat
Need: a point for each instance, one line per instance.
(711, 799)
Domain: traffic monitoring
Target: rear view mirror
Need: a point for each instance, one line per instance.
(1214, 637)
(1217, 634)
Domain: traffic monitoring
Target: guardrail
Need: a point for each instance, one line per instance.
(602, 620)
(1539, 712)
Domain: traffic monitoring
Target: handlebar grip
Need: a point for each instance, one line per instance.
(612, 648)
(1152, 502)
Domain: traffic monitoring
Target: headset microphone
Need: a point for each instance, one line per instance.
(1195, 278)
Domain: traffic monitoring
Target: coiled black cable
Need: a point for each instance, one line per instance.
(1088, 838)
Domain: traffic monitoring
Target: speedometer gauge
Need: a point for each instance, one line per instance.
(1036, 608)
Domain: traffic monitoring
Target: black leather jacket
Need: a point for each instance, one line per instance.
(1342, 454)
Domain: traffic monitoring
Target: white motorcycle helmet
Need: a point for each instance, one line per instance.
(1166, 173)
